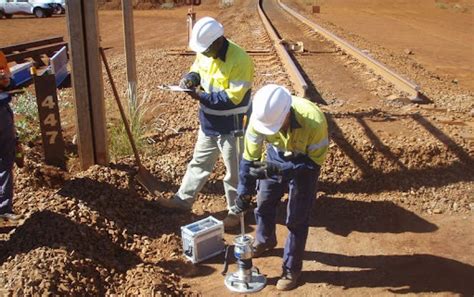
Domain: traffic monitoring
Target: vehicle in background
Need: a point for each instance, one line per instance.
(40, 9)
(61, 6)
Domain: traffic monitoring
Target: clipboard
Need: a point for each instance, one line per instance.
(174, 88)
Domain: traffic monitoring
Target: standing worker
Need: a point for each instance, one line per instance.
(8, 144)
(295, 130)
(221, 80)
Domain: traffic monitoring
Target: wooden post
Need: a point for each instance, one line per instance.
(129, 38)
(87, 82)
(50, 121)
(80, 83)
(96, 83)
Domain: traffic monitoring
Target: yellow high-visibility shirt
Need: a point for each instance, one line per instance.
(234, 75)
(308, 134)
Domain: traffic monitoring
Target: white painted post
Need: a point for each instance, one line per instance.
(129, 38)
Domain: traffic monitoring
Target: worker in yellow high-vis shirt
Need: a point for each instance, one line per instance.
(296, 134)
(221, 80)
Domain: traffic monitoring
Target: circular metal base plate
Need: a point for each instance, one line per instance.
(257, 282)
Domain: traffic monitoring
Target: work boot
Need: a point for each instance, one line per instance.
(260, 248)
(288, 281)
(175, 203)
(9, 217)
(231, 221)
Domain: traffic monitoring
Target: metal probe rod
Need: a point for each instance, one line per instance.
(238, 133)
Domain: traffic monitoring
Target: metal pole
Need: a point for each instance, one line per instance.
(190, 19)
(238, 134)
(129, 38)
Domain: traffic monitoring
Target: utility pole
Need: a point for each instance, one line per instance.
(129, 38)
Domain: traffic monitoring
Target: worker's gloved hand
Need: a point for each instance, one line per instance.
(242, 203)
(263, 170)
(190, 81)
(185, 83)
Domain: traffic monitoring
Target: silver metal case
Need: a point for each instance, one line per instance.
(203, 239)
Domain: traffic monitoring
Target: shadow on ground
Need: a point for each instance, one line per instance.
(127, 208)
(401, 179)
(342, 216)
(402, 274)
(49, 229)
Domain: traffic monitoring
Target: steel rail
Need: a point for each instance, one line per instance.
(9, 49)
(36, 52)
(399, 82)
(300, 84)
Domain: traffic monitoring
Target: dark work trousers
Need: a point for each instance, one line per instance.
(302, 192)
(7, 157)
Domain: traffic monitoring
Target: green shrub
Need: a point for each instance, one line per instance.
(137, 110)
(26, 115)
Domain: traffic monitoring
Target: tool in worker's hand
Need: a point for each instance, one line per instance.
(144, 177)
(238, 133)
(248, 278)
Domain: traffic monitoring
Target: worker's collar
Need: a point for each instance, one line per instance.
(293, 121)
(223, 50)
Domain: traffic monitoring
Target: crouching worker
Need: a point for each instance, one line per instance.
(8, 144)
(295, 130)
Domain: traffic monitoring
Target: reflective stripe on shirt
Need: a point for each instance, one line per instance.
(240, 84)
(293, 153)
(317, 146)
(257, 139)
(227, 112)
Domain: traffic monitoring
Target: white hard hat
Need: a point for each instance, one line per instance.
(204, 33)
(270, 106)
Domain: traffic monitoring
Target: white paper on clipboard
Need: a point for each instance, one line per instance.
(174, 88)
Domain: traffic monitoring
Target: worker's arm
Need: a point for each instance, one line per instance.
(240, 83)
(318, 145)
(316, 149)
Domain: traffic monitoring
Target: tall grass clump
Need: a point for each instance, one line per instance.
(136, 109)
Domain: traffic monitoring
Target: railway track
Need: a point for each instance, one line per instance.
(33, 50)
(324, 54)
